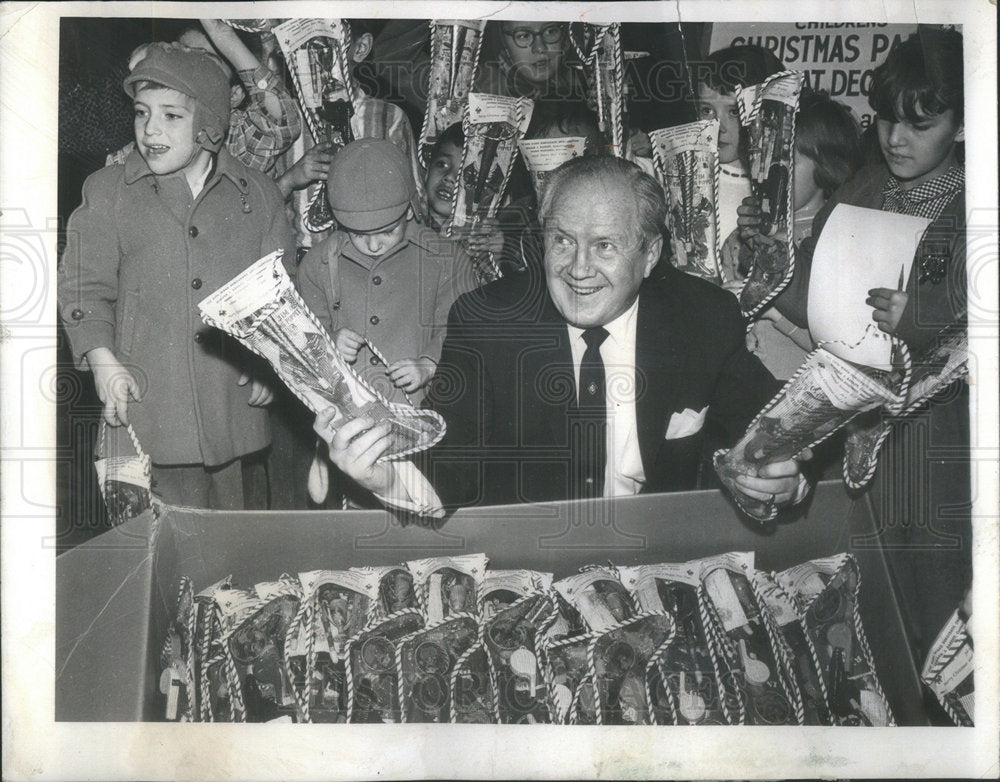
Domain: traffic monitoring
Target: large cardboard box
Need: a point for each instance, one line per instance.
(115, 592)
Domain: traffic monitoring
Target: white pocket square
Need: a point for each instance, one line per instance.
(685, 423)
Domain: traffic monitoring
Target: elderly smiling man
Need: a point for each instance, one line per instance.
(594, 381)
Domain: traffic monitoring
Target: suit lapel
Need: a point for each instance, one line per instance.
(548, 365)
(657, 369)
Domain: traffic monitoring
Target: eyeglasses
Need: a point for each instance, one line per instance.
(525, 38)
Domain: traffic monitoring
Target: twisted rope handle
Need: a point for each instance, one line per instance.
(425, 126)
(716, 173)
(863, 641)
(400, 684)
(786, 673)
(574, 710)
(310, 621)
(581, 55)
(249, 25)
(192, 681)
(385, 362)
(293, 627)
(237, 707)
(453, 681)
(102, 442)
(618, 111)
(545, 648)
(716, 639)
(205, 696)
(810, 646)
(316, 227)
(653, 665)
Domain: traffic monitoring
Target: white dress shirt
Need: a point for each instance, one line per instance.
(623, 473)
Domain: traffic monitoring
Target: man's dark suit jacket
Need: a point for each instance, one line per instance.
(505, 386)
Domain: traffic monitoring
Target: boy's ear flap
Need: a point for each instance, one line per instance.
(362, 47)
(138, 54)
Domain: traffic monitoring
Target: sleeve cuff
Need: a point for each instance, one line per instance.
(260, 79)
(84, 337)
(413, 492)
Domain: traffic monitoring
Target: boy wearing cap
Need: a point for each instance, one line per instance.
(307, 162)
(153, 237)
(383, 280)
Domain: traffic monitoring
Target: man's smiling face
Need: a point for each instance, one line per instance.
(595, 256)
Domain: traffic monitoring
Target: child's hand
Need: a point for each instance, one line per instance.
(748, 223)
(888, 307)
(486, 237)
(411, 374)
(772, 315)
(313, 166)
(348, 343)
(261, 394)
(748, 218)
(114, 383)
(639, 144)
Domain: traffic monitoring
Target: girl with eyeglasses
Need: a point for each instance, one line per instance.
(527, 59)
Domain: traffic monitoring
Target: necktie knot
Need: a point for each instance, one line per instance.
(595, 336)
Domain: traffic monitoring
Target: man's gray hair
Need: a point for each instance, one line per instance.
(650, 202)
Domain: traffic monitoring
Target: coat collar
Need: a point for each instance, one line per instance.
(225, 166)
(424, 238)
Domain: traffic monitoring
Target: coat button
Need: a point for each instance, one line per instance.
(376, 280)
(373, 361)
(193, 231)
(336, 306)
(196, 283)
(373, 320)
(76, 314)
(197, 337)
(243, 182)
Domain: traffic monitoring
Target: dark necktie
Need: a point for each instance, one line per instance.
(590, 442)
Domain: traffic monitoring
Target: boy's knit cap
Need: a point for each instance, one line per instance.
(370, 184)
(196, 73)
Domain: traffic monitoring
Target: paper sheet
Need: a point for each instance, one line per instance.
(859, 249)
